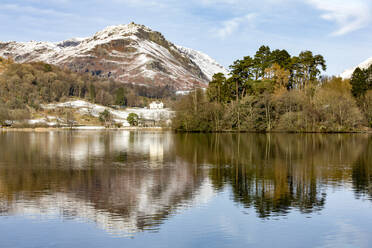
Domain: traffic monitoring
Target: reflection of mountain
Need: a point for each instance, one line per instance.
(113, 179)
(275, 173)
(120, 202)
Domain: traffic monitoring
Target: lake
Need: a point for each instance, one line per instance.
(160, 189)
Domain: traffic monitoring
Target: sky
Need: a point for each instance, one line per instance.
(227, 30)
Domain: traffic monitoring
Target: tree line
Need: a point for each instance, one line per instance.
(276, 91)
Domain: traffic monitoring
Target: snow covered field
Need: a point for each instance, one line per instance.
(120, 116)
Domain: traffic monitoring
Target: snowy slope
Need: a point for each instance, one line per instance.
(128, 53)
(55, 52)
(364, 65)
(208, 65)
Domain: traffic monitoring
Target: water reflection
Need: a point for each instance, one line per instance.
(125, 182)
(128, 182)
(276, 173)
(362, 173)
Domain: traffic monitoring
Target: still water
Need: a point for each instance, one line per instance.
(159, 189)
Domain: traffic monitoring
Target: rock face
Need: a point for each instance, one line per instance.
(364, 65)
(127, 53)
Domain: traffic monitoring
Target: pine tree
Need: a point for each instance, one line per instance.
(282, 58)
(359, 83)
(262, 61)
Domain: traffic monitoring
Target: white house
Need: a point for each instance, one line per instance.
(156, 105)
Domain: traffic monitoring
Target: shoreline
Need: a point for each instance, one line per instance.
(83, 128)
(161, 129)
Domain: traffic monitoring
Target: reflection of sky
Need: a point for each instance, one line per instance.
(223, 224)
(218, 223)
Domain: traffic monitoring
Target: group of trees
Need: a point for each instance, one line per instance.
(30, 84)
(267, 69)
(23, 87)
(272, 91)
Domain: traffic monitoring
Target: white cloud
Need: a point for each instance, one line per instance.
(230, 26)
(350, 15)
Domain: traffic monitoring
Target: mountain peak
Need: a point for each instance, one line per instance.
(122, 29)
(130, 53)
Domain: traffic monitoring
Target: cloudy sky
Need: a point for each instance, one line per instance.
(225, 29)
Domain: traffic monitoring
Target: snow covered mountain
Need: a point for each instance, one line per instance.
(127, 53)
(208, 65)
(364, 65)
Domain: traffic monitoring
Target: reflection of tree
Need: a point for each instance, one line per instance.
(269, 192)
(274, 173)
(362, 172)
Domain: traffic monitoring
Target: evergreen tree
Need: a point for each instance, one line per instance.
(133, 119)
(120, 98)
(282, 58)
(262, 61)
(242, 74)
(359, 83)
(306, 68)
(218, 88)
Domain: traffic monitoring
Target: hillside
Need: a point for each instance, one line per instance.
(130, 53)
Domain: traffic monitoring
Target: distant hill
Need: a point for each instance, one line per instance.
(129, 53)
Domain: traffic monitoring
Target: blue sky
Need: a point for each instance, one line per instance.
(227, 30)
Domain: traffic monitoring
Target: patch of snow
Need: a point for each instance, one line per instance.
(182, 92)
(37, 121)
(44, 121)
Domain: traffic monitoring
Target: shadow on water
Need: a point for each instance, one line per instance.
(129, 182)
